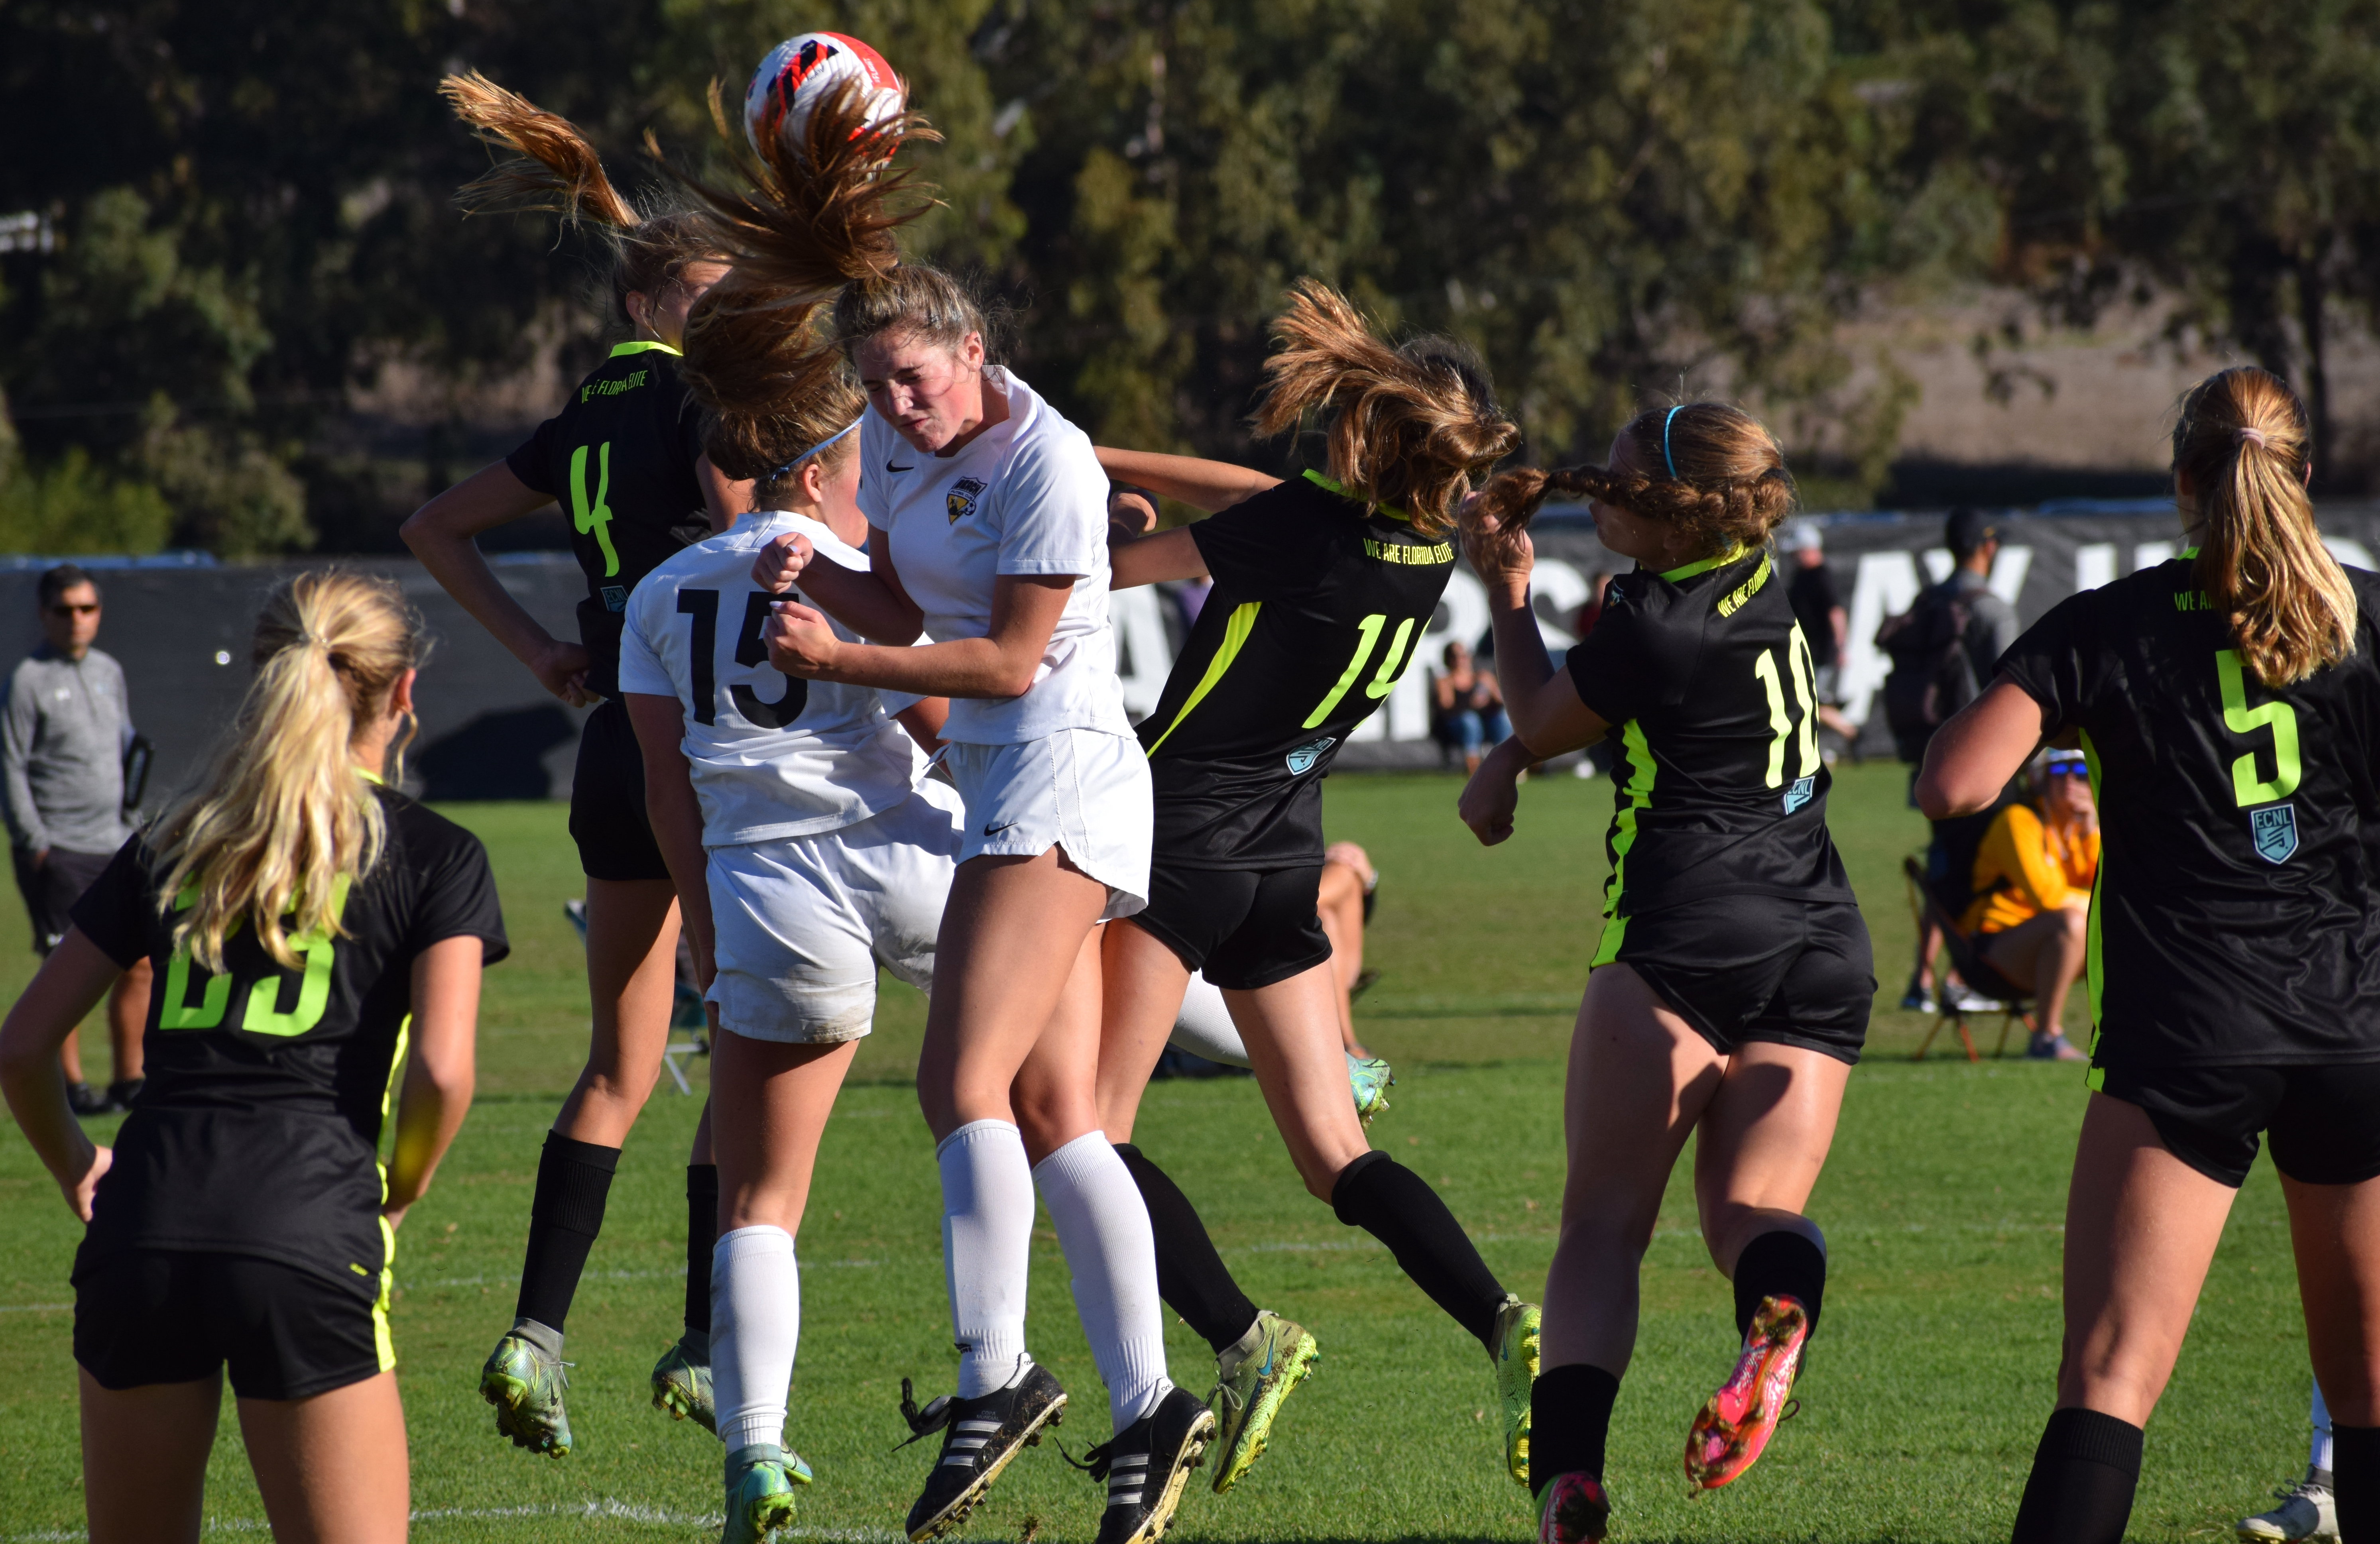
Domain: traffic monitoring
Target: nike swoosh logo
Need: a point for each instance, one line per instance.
(1266, 1370)
(995, 830)
(890, 467)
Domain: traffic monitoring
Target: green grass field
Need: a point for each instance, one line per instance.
(1925, 1393)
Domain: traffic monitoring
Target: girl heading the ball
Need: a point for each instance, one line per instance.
(1324, 585)
(1729, 996)
(2228, 702)
(625, 457)
(988, 537)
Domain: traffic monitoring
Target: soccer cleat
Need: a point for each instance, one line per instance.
(1251, 1385)
(1513, 1348)
(760, 1494)
(2307, 1511)
(1917, 999)
(980, 1438)
(1575, 1510)
(1147, 1465)
(1737, 1422)
(524, 1380)
(682, 1384)
(1369, 1079)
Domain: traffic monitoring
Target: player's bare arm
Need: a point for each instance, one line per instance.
(1210, 486)
(444, 533)
(1002, 663)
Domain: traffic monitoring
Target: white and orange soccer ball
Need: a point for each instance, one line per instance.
(800, 72)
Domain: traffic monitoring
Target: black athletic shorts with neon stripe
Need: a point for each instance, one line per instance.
(1726, 892)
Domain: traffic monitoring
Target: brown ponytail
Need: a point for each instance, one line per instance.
(555, 171)
(1409, 427)
(2243, 441)
(820, 218)
(1729, 487)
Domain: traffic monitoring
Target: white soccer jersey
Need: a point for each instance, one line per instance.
(1025, 497)
(772, 756)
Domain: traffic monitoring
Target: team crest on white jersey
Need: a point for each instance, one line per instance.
(1801, 792)
(960, 500)
(2275, 830)
(1301, 760)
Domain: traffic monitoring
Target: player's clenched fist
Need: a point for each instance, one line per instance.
(800, 640)
(782, 562)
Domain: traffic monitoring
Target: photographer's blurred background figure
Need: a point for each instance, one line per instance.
(1826, 624)
(63, 737)
(1943, 648)
(2033, 879)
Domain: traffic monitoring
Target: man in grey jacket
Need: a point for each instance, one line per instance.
(63, 737)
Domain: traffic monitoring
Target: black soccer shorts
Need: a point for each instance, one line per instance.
(175, 1316)
(1246, 928)
(1748, 968)
(607, 800)
(2324, 1121)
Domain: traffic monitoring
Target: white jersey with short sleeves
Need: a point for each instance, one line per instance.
(772, 756)
(1025, 496)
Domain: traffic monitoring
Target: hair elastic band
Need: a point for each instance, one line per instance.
(817, 448)
(1666, 458)
(2255, 437)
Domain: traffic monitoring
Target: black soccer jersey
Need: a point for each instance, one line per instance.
(1704, 678)
(258, 1130)
(1317, 611)
(2236, 918)
(619, 458)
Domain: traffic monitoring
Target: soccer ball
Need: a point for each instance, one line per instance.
(800, 72)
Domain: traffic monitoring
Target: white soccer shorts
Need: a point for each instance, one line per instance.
(803, 923)
(1077, 789)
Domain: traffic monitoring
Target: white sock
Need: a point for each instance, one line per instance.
(1103, 1226)
(2321, 1456)
(756, 1322)
(1204, 1027)
(986, 1244)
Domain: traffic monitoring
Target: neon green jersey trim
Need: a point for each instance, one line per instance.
(1705, 565)
(2187, 552)
(1334, 486)
(1236, 633)
(1623, 837)
(640, 345)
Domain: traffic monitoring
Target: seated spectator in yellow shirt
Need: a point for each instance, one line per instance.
(2033, 876)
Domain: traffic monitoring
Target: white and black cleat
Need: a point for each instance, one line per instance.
(980, 1438)
(1147, 1465)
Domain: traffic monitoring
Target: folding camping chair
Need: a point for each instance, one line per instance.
(2014, 1002)
(686, 1008)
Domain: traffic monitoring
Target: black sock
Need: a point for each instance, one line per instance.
(1190, 1274)
(1397, 1207)
(1779, 1264)
(573, 1179)
(702, 1240)
(1569, 1417)
(2355, 1482)
(2084, 1475)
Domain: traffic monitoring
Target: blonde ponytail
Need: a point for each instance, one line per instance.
(284, 815)
(2243, 443)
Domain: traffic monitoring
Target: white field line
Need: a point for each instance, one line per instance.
(606, 1509)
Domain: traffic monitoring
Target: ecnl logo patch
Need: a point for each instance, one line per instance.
(2275, 830)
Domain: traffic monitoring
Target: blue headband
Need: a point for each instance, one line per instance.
(817, 448)
(1668, 459)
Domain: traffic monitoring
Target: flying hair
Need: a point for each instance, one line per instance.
(2243, 442)
(555, 171)
(1717, 473)
(1411, 427)
(761, 355)
(284, 817)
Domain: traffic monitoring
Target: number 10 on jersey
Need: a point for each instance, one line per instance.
(1780, 721)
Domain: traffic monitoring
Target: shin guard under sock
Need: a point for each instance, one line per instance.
(701, 1238)
(2084, 1475)
(758, 1287)
(2355, 1482)
(1397, 1207)
(1570, 1420)
(986, 1244)
(1190, 1275)
(1103, 1227)
(573, 1180)
(1779, 1264)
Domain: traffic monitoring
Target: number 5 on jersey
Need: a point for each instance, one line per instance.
(703, 607)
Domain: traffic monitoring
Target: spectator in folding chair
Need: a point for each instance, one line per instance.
(2032, 878)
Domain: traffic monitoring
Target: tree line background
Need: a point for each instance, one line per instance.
(246, 315)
